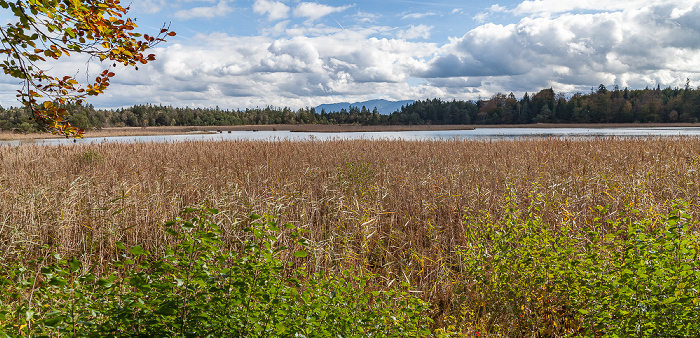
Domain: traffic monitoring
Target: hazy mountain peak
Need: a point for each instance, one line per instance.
(384, 107)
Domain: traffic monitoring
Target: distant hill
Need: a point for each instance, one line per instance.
(384, 107)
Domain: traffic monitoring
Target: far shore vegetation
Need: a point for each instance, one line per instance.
(601, 105)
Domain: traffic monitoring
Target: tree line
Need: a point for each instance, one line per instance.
(601, 105)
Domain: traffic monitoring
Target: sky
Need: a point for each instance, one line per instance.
(238, 54)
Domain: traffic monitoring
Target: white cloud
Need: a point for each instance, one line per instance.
(221, 9)
(312, 31)
(302, 61)
(150, 6)
(417, 15)
(314, 11)
(560, 6)
(481, 17)
(634, 47)
(276, 30)
(414, 32)
(239, 72)
(497, 8)
(275, 10)
(365, 17)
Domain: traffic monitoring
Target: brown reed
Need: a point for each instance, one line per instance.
(396, 208)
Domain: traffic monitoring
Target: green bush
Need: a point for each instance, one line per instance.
(637, 278)
(643, 281)
(199, 288)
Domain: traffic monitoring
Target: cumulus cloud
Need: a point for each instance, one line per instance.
(414, 32)
(636, 47)
(275, 10)
(296, 71)
(221, 9)
(314, 11)
(483, 16)
(299, 61)
(488, 50)
(497, 8)
(456, 82)
(278, 29)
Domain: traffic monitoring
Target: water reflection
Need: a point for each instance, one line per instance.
(479, 133)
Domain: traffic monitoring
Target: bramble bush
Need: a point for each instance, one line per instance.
(199, 288)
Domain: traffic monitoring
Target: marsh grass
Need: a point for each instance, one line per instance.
(202, 287)
(403, 210)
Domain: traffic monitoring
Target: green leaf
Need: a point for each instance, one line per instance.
(105, 283)
(52, 322)
(74, 264)
(137, 250)
(300, 254)
(669, 300)
(168, 308)
(55, 281)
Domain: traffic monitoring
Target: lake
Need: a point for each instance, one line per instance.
(476, 134)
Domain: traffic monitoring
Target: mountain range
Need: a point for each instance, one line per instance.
(384, 107)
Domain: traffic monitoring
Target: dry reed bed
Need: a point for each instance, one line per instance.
(394, 207)
(180, 130)
(110, 132)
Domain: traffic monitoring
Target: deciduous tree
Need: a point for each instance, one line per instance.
(45, 30)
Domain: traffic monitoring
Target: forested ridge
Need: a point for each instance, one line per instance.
(601, 105)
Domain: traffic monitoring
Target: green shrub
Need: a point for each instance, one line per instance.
(515, 274)
(199, 288)
(525, 277)
(643, 281)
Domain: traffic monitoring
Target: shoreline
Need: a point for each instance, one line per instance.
(180, 130)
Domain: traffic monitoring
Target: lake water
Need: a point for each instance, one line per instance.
(479, 133)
